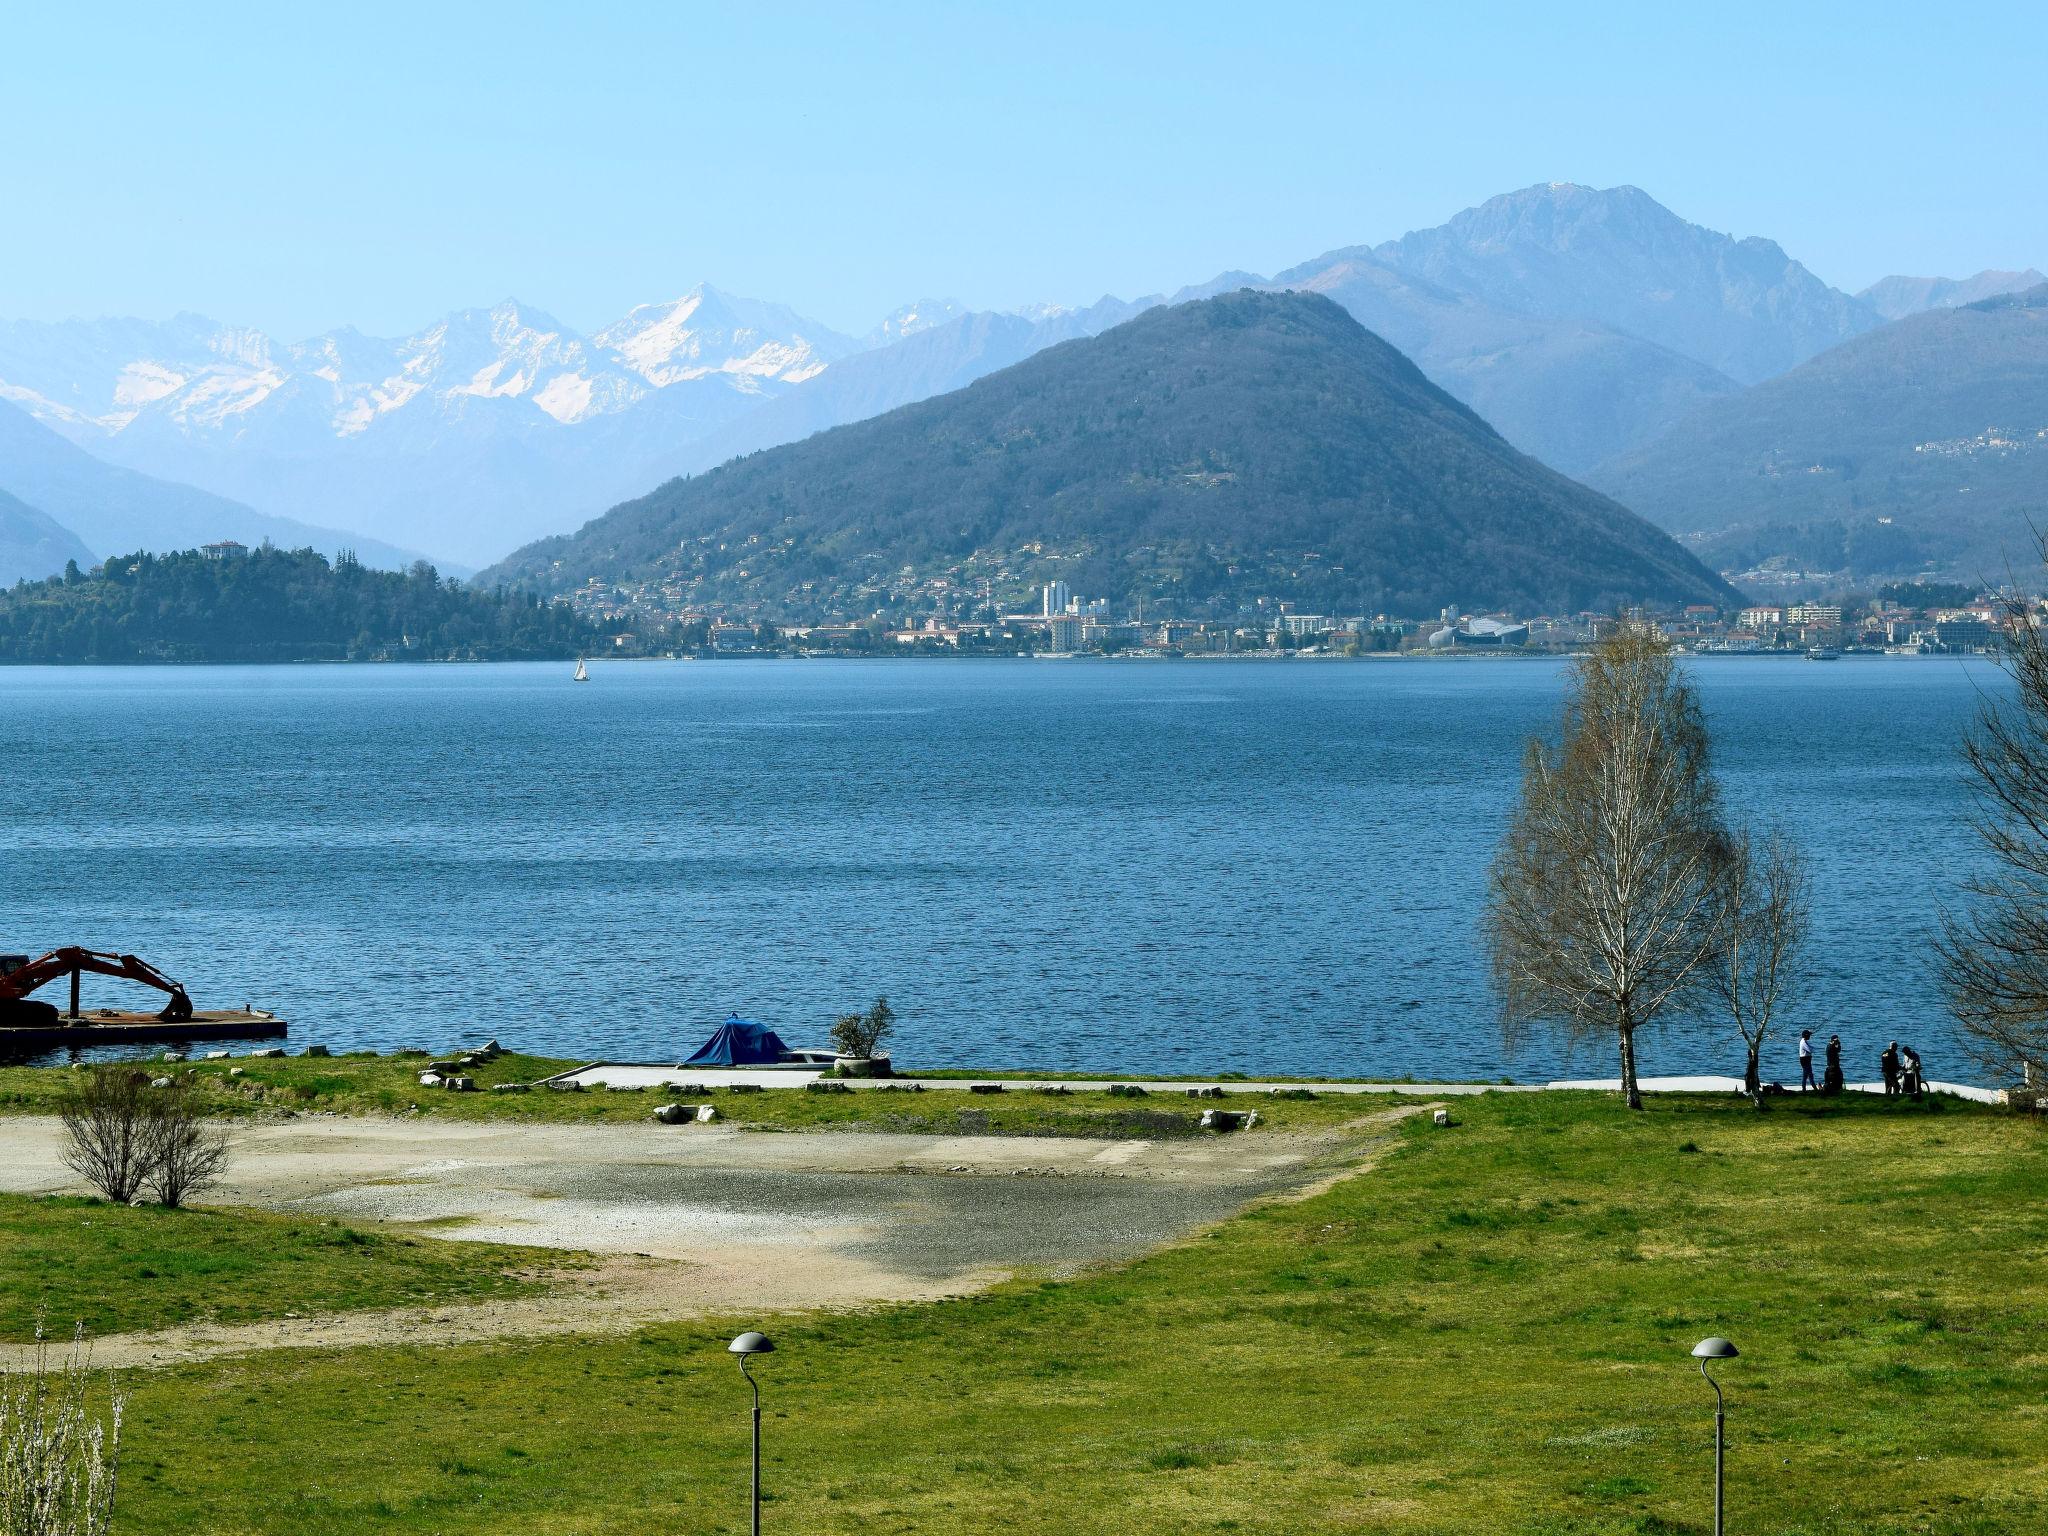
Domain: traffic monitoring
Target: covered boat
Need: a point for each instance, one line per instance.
(739, 1042)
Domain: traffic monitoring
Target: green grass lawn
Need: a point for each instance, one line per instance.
(1489, 1332)
(115, 1268)
(388, 1085)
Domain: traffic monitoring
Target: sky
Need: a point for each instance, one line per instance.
(381, 165)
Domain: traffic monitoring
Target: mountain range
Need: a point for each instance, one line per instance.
(1583, 324)
(1923, 443)
(1199, 457)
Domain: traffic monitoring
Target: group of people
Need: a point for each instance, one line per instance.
(1899, 1063)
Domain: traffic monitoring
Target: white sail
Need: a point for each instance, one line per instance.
(582, 672)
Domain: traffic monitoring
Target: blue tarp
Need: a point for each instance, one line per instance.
(739, 1042)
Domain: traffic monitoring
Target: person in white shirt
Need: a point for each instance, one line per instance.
(1806, 1061)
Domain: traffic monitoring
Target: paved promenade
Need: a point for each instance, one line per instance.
(619, 1074)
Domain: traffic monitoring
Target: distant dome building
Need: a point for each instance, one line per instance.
(1481, 632)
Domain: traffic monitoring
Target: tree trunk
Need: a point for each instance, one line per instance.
(1629, 1090)
(1752, 1075)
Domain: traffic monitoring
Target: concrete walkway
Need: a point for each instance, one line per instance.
(620, 1074)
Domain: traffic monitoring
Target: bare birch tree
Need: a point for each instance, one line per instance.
(1602, 909)
(1993, 956)
(1762, 908)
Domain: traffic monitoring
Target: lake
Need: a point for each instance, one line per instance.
(1185, 866)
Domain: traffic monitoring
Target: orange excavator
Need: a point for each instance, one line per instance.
(20, 976)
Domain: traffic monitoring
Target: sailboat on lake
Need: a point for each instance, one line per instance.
(582, 672)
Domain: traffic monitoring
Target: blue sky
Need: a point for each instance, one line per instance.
(381, 165)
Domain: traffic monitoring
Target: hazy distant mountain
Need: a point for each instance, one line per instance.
(1897, 297)
(33, 544)
(1571, 391)
(116, 511)
(1920, 445)
(1617, 256)
(1198, 456)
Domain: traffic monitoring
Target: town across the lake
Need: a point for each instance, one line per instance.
(1901, 619)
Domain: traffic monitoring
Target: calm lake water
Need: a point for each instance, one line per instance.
(1196, 866)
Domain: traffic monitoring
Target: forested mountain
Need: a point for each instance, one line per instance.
(32, 543)
(275, 605)
(1198, 458)
(1921, 445)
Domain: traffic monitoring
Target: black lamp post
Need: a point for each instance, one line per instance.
(1713, 1349)
(746, 1346)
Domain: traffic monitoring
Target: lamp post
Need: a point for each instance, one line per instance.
(746, 1346)
(1712, 1349)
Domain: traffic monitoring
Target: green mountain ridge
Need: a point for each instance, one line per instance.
(1921, 447)
(1196, 459)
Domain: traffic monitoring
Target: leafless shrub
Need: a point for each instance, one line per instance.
(182, 1151)
(59, 1458)
(104, 1122)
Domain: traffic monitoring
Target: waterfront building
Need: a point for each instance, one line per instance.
(1056, 598)
(1964, 634)
(1814, 616)
(1063, 631)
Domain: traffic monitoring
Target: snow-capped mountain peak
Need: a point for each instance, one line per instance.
(912, 318)
(707, 331)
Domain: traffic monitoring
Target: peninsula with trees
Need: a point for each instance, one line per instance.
(226, 603)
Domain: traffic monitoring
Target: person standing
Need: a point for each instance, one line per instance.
(1806, 1081)
(1915, 1081)
(1889, 1063)
(1831, 1081)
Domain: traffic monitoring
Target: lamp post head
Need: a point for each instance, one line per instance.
(1707, 1349)
(751, 1344)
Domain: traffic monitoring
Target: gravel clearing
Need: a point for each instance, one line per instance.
(698, 1220)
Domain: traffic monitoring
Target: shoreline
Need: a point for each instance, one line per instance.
(910, 654)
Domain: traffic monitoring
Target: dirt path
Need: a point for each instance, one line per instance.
(706, 1221)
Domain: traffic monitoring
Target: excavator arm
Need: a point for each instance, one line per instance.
(72, 961)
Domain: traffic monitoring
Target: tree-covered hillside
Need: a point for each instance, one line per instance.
(274, 605)
(1921, 445)
(1196, 458)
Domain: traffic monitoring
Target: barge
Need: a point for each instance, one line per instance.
(108, 1026)
(29, 1024)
